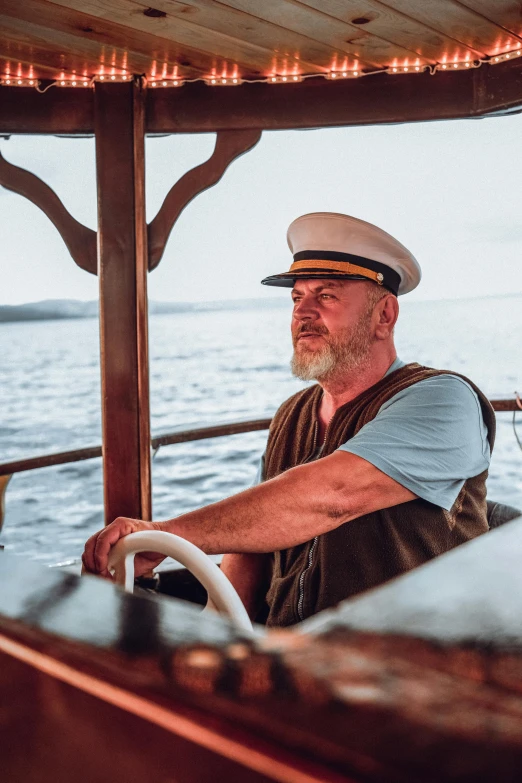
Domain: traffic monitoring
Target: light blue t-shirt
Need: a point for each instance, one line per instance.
(430, 438)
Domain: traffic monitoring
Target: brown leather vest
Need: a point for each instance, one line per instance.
(373, 548)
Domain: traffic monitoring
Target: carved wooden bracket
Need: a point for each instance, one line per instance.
(229, 146)
(80, 240)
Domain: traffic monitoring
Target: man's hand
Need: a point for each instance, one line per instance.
(97, 548)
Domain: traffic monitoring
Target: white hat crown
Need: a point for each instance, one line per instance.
(331, 245)
(338, 233)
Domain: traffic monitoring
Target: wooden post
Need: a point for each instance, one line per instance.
(122, 270)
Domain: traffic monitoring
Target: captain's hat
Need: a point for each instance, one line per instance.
(333, 246)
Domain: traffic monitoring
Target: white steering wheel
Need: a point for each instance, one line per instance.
(221, 594)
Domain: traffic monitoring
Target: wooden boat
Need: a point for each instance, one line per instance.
(420, 679)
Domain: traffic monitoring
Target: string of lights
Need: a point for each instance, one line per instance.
(19, 80)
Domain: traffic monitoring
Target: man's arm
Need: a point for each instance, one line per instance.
(250, 574)
(290, 509)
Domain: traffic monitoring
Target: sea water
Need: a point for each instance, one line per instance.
(207, 367)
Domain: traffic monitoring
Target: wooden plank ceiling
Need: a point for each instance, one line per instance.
(248, 39)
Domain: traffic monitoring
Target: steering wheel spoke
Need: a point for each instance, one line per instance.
(221, 593)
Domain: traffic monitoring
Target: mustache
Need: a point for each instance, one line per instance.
(311, 329)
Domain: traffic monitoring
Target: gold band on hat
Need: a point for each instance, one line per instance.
(337, 266)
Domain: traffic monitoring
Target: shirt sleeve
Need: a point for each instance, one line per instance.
(430, 438)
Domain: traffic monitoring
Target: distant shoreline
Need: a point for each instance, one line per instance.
(67, 309)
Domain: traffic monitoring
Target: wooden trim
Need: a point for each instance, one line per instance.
(64, 110)
(318, 103)
(142, 305)
(315, 103)
(505, 405)
(281, 768)
(122, 253)
(216, 431)
(229, 146)
(80, 240)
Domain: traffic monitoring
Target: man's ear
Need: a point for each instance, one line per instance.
(388, 312)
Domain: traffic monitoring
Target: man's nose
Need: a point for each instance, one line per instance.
(306, 309)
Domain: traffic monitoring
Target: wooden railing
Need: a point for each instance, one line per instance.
(500, 404)
(176, 436)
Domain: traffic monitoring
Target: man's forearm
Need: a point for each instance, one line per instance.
(292, 508)
(274, 515)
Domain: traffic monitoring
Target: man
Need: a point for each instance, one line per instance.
(376, 469)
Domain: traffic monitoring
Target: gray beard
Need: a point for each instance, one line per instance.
(313, 366)
(340, 356)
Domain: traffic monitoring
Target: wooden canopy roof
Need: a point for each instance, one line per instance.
(392, 61)
(248, 39)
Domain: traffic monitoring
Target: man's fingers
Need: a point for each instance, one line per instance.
(97, 548)
(85, 567)
(86, 570)
(88, 554)
(106, 539)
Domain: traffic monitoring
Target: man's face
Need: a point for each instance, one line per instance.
(331, 328)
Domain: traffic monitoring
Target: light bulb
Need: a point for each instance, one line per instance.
(394, 70)
(73, 84)
(356, 73)
(164, 84)
(62, 83)
(234, 81)
(176, 84)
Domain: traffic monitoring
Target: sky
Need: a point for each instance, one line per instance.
(449, 191)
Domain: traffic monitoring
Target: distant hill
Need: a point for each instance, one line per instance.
(51, 309)
(56, 309)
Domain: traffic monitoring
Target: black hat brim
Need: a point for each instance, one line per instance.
(287, 279)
